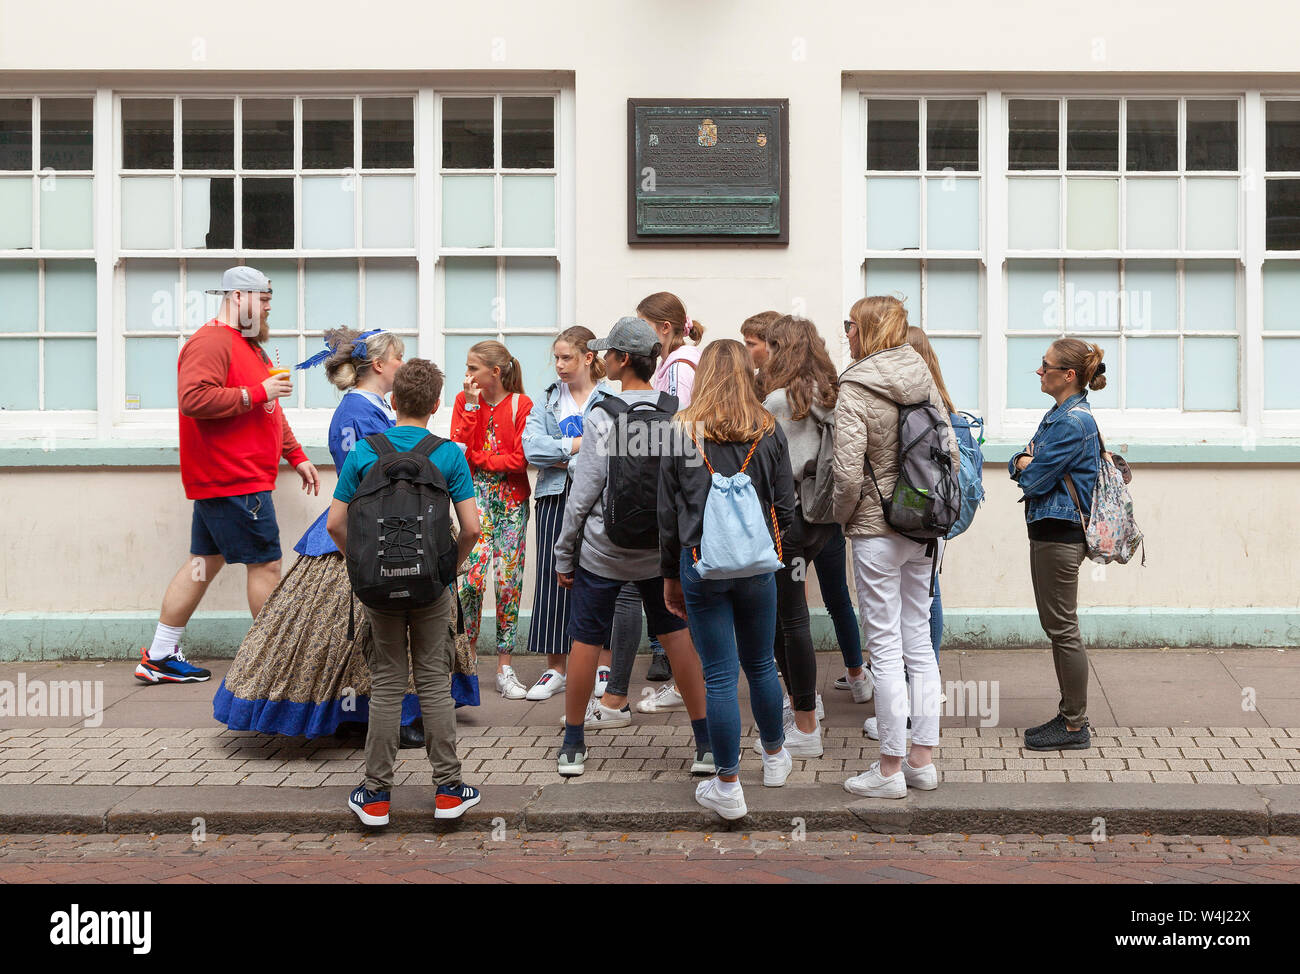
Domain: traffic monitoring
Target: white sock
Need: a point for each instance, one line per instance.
(728, 787)
(166, 640)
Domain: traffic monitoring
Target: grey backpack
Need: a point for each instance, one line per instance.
(816, 482)
(926, 501)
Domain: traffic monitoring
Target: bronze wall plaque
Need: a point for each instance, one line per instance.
(708, 170)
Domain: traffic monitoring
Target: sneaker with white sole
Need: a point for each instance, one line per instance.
(548, 685)
(598, 716)
(776, 768)
(703, 763)
(602, 681)
(872, 784)
(922, 779)
(787, 710)
(862, 688)
(803, 745)
(571, 762)
(666, 699)
(872, 730)
(371, 806)
(508, 684)
(730, 806)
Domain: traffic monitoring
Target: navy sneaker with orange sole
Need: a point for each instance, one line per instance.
(170, 669)
(371, 806)
(451, 801)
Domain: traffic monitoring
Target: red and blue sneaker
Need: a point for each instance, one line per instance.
(170, 669)
(371, 806)
(452, 800)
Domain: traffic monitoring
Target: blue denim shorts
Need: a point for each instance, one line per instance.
(241, 529)
(591, 607)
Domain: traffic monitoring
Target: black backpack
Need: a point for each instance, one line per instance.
(631, 499)
(401, 554)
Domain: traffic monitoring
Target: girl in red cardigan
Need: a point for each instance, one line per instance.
(489, 418)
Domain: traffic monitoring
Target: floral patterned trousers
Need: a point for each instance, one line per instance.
(504, 526)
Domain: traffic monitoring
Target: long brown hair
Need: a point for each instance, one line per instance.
(918, 340)
(881, 323)
(1084, 358)
(667, 308)
(497, 356)
(799, 363)
(577, 337)
(725, 408)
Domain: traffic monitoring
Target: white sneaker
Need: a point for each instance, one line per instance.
(508, 684)
(862, 688)
(872, 730)
(922, 779)
(548, 685)
(803, 745)
(872, 784)
(730, 807)
(666, 699)
(602, 680)
(776, 768)
(600, 717)
(787, 710)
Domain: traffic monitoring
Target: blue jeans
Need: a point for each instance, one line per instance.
(936, 618)
(832, 578)
(733, 622)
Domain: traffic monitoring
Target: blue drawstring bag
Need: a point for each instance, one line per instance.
(735, 542)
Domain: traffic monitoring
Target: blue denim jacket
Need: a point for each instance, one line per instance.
(545, 448)
(1065, 443)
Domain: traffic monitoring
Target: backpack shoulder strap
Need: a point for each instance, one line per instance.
(1101, 440)
(685, 361)
(612, 405)
(380, 444)
(1069, 486)
(667, 402)
(427, 445)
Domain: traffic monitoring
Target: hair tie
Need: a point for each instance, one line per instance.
(689, 328)
(1101, 369)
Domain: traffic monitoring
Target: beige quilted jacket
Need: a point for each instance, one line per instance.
(866, 422)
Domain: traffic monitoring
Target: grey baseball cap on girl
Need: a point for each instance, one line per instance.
(633, 336)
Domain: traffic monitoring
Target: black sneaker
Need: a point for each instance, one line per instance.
(659, 670)
(1058, 720)
(1060, 738)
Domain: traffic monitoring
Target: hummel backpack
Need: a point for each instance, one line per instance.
(631, 499)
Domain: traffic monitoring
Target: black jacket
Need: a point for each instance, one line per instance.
(684, 482)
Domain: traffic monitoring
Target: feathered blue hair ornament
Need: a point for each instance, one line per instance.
(359, 350)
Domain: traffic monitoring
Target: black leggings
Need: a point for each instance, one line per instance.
(793, 645)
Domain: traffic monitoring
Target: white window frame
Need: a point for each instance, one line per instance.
(1271, 422)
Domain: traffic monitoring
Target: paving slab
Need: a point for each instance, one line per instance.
(57, 808)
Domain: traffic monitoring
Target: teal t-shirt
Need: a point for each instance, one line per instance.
(447, 458)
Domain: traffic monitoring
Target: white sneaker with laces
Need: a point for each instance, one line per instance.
(787, 710)
(803, 745)
(872, 784)
(922, 779)
(602, 680)
(730, 806)
(508, 684)
(776, 768)
(666, 699)
(600, 717)
(872, 730)
(548, 685)
(863, 688)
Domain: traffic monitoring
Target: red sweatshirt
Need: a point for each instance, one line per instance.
(470, 428)
(228, 449)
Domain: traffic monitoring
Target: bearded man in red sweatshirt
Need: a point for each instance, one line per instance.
(232, 436)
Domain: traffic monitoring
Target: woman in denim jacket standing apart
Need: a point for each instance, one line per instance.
(1065, 445)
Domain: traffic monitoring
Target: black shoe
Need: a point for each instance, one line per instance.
(1038, 731)
(350, 730)
(1060, 738)
(411, 735)
(659, 670)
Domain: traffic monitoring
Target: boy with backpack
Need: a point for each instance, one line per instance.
(391, 516)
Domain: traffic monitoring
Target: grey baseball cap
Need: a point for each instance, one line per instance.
(242, 278)
(630, 335)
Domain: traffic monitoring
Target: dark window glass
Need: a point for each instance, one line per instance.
(1282, 136)
(67, 133)
(1212, 136)
(16, 133)
(268, 134)
(893, 135)
(1152, 136)
(268, 213)
(1092, 135)
(327, 133)
(387, 133)
(1282, 207)
(467, 133)
(1034, 132)
(147, 133)
(221, 214)
(952, 135)
(527, 133)
(207, 133)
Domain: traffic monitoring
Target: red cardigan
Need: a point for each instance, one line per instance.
(470, 428)
(227, 449)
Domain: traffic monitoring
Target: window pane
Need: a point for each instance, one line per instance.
(70, 373)
(20, 389)
(1282, 212)
(1210, 373)
(392, 295)
(268, 134)
(1091, 295)
(16, 213)
(1023, 358)
(16, 133)
(952, 214)
(1283, 136)
(1211, 295)
(897, 278)
(328, 212)
(1092, 214)
(327, 133)
(319, 392)
(1152, 136)
(67, 212)
(1281, 295)
(457, 350)
(69, 295)
(1033, 134)
(208, 212)
(893, 212)
(893, 135)
(532, 289)
(331, 293)
(203, 275)
(268, 213)
(467, 133)
(1151, 374)
(1092, 134)
(67, 133)
(467, 217)
(207, 133)
(1034, 214)
(152, 295)
(283, 275)
(528, 133)
(1212, 214)
(535, 361)
(1150, 296)
(959, 358)
(1151, 214)
(387, 133)
(1212, 136)
(147, 213)
(1281, 366)
(388, 211)
(19, 296)
(151, 372)
(470, 284)
(952, 296)
(952, 135)
(528, 211)
(147, 133)
(1033, 296)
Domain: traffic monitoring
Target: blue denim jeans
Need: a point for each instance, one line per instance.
(936, 618)
(733, 622)
(832, 578)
